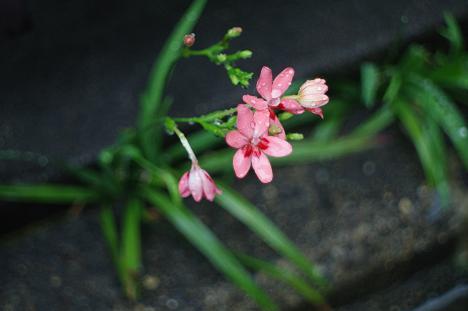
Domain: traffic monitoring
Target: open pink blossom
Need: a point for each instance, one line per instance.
(254, 144)
(272, 90)
(198, 183)
(312, 96)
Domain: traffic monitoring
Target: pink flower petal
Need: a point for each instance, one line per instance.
(241, 162)
(275, 121)
(183, 185)
(317, 111)
(245, 120)
(314, 100)
(291, 106)
(209, 187)
(255, 102)
(262, 122)
(264, 83)
(262, 167)
(276, 147)
(236, 139)
(282, 82)
(196, 183)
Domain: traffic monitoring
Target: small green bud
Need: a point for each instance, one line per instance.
(274, 130)
(234, 32)
(285, 116)
(106, 157)
(295, 136)
(245, 54)
(221, 57)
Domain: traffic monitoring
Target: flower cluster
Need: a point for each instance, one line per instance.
(259, 131)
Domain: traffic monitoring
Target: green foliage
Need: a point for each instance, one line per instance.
(369, 83)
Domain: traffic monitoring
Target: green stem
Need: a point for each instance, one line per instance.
(208, 117)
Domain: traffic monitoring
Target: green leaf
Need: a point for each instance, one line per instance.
(441, 109)
(369, 83)
(283, 275)
(109, 230)
(153, 95)
(131, 247)
(47, 193)
(429, 146)
(208, 244)
(243, 210)
(452, 32)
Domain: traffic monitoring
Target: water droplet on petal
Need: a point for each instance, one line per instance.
(252, 124)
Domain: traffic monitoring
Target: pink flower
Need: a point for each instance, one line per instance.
(253, 143)
(312, 96)
(271, 91)
(198, 183)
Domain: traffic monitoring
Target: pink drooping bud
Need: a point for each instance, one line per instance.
(312, 94)
(198, 183)
(189, 39)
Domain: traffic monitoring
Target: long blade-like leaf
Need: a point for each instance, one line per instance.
(429, 146)
(369, 83)
(47, 193)
(131, 247)
(438, 105)
(285, 276)
(263, 227)
(152, 97)
(207, 243)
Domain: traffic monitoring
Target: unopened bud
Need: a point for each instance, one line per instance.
(234, 32)
(295, 136)
(245, 54)
(285, 116)
(274, 130)
(221, 57)
(189, 39)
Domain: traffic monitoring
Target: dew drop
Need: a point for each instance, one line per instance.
(462, 131)
(252, 124)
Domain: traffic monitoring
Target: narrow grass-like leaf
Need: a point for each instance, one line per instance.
(369, 83)
(153, 95)
(428, 146)
(440, 108)
(283, 275)
(208, 244)
(131, 246)
(109, 230)
(247, 213)
(452, 32)
(47, 193)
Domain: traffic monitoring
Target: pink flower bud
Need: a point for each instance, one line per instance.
(189, 39)
(312, 94)
(198, 183)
